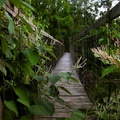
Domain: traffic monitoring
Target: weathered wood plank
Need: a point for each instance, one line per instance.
(69, 85)
(59, 114)
(75, 99)
(79, 98)
(14, 12)
(112, 14)
(73, 90)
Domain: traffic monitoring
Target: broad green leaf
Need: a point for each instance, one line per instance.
(53, 78)
(2, 3)
(61, 101)
(66, 75)
(74, 79)
(63, 88)
(33, 56)
(53, 91)
(27, 24)
(26, 67)
(48, 106)
(108, 70)
(8, 114)
(38, 110)
(39, 78)
(19, 3)
(4, 46)
(100, 40)
(11, 23)
(21, 92)
(25, 118)
(8, 53)
(10, 68)
(2, 69)
(23, 96)
(12, 106)
(24, 102)
(10, 41)
(26, 5)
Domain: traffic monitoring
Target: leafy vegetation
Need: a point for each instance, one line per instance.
(108, 53)
(24, 55)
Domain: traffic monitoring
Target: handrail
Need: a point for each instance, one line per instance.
(110, 15)
(15, 12)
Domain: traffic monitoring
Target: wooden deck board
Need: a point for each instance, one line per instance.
(78, 97)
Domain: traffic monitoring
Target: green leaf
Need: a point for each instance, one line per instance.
(28, 6)
(11, 23)
(39, 78)
(38, 110)
(8, 114)
(24, 102)
(74, 79)
(12, 106)
(100, 40)
(53, 78)
(66, 75)
(63, 88)
(45, 45)
(10, 68)
(33, 56)
(53, 91)
(8, 53)
(4, 46)
(21, 93)
(108, 70)
(61, 101)
(19, 3)
(27, 24)
(25, 118)
(48, 106)
(50, 52)
(2, 69)
(45, 57)
(26, 67)
(23, 96)
(2, 3)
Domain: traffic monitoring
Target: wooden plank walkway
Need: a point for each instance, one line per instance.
(78, 99)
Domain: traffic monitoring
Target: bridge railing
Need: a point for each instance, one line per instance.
(81, 46)
(58, 47)
(58, 51)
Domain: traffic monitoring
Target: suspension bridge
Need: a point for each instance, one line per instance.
(78, 97)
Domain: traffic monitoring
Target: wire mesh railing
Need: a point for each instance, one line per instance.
(81, 47)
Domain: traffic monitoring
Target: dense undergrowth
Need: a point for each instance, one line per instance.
(23, 70)
(23, 73)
